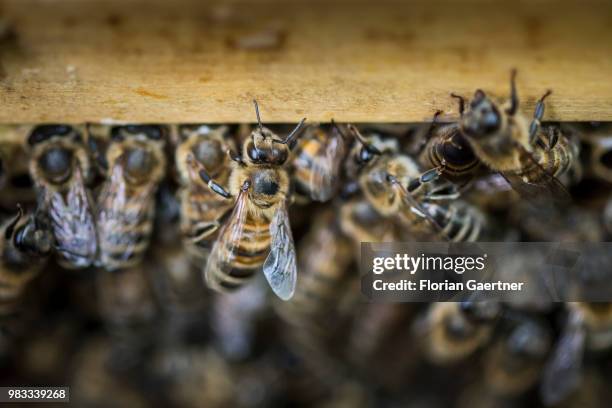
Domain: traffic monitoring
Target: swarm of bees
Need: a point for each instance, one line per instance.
(135, 252)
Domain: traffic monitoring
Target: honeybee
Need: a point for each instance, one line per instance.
(588, 326)
(505, 142)
(59, 166)
(24, 246)
(316, 162)
(607, 216)
(514, 363)
(126, 203)
(202, 209)
(394, 185)
(258, 231)
(448, 150)
(452, 331)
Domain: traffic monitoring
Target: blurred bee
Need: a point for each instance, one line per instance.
(257, 232)
(452, 331)
(325, 257)
(588, 325)
(24, 246)
(59, 166)
(202, 209)
(316, 163)
(514, 363)
(393, 184)
(448, 150)
(126, 202)
(505, 142)
(607, 217)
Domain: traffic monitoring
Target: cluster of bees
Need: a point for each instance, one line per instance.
(117, 239)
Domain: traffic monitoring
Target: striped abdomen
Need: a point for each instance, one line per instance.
(450, 148)
(455, 221)
(202, 212)
(556, 162)
(125, 223)
(240, 257)
(303, 162)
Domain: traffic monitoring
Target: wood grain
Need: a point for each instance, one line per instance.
(117, 61)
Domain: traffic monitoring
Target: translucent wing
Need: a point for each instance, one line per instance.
(223, 252)
(325, 168)
(543, 184)
(562, 372)
(124, 219)
(73, 223)
(280, 266)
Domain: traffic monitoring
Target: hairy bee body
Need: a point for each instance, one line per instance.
(452, 333)
(201, 209)
(24, 247)
(448, 149)
(394, 185)
(59, 166)
(126, 202)
(316, 163)
(249, 250)
(257, 233)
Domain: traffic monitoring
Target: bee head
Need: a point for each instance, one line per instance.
(264, 147)
(138, 164)
(55, 160)
(483, 118)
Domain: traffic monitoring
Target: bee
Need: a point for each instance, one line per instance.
(505, 142)
(588, 326)
(59, 166)
(25, 244)
(258, 231)
(394, 185)
(514, 363)
(126, 202)
(202, 210)
(607, 216)
(316, 162)
(448, 150)
(452, 331)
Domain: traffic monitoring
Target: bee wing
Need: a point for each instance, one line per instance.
(562, 372)
(325, 169)
(121, 214)
(224, 248)
(280, 267)
(546, 185)
(73, 223)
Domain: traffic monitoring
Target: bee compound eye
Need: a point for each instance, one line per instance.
(56, 163)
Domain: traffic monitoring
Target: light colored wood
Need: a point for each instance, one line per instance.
(158, 61)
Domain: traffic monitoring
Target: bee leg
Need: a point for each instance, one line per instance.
(446, 191)
(429, 131)
(553, 137)
(537, 117)
(426, 177)
(513, 94)
(461, 100)
(214, 186)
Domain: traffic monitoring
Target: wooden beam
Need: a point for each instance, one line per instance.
(160, 61)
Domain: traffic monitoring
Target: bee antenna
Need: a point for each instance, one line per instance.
(362, 139)
(335, 126)
(257, 114)
(513, 94)
(293, 133)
